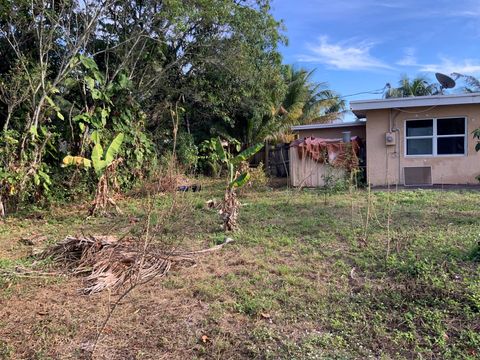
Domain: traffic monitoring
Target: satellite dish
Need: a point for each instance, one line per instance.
(445, 81)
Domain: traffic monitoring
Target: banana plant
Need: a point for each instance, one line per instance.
(236, 179)
(100, 159)
(104, 163)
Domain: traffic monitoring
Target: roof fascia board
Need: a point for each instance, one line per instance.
(360, 107)
(326, 126)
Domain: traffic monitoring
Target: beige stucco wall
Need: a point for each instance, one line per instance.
(332, 133)
(385, 163)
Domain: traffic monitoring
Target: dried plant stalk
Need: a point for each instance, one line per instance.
(229, 210)
(102, 195)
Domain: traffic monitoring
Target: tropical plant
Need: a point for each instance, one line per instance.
(472, 84)
(300, 101)
(418, 86)
(104, 163)
(306, 101)
(237, 176)
(258, 177)
(209, 159)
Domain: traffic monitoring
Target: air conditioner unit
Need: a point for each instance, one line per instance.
(390, 138)
(417, 175)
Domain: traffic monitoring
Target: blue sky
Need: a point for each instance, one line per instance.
(360, 45)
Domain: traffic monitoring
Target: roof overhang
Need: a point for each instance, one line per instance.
(328, 126)
(360, 108)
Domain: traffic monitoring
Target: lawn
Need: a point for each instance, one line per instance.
(311, 275)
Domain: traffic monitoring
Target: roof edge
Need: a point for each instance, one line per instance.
(327, 126)
(360, 107)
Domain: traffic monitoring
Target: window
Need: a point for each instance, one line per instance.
(436, 137)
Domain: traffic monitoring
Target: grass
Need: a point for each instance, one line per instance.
(306, 278)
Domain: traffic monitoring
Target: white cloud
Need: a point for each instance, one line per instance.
(448, 66)
(466, 13)
(344, 55)
(409, 58)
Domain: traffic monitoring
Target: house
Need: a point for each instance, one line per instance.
(422, 140)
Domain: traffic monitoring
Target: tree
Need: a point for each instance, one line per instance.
(69, 68)
(299, 101)
(472, 83)
(306, 101)
(418, 86)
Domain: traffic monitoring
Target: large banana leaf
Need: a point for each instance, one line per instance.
(95, 137)
(246, 154)
(114, 148)
(77, 161)
(98, 163)
(220, 150)
(240, 180)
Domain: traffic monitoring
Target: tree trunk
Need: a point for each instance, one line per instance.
(229, 211)
(2, 207)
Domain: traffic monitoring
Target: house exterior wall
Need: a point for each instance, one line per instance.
(332, 133)
(385, 163)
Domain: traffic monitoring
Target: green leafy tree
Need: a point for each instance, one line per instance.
(418, 86)
(298, 100)
(74, 67)
(307, 101)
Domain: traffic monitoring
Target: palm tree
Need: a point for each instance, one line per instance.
(472, 83)
(306, 101)
(418, 86)
(302, 101)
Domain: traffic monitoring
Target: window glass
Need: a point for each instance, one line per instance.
(451, 145)
(419, 147)
(451, 126)
(420, 128)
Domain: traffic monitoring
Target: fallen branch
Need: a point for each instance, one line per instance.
(214, 248)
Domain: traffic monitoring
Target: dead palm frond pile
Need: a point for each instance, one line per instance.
(106, 262)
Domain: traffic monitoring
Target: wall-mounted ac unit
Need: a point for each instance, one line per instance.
(390, 138)
(417, 175)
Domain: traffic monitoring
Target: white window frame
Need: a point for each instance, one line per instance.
(434, 138)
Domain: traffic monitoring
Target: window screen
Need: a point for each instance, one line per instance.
(443, 136)
(420, 128)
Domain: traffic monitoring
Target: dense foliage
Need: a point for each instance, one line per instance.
(168, 74)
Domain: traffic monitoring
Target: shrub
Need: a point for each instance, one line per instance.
(258, 177)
